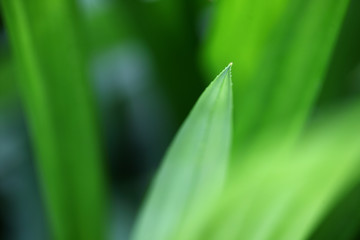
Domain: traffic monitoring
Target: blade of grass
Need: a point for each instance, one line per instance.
(288, 199)
(332, 154)
(282, 48)
(46, 41)
(194, 169)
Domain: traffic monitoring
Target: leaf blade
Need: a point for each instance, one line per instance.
(197, 157)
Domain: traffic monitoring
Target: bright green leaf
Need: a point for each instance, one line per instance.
(287, 198)
(193, 171)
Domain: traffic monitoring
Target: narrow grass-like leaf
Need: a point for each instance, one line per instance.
(282, 48)
(46, 42)
(331, 154)
(278, 199)
(193, 171)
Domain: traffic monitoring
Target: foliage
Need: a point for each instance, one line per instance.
(276, 155)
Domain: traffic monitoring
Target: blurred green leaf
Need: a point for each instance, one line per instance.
(194, 169)
(47, 42)
(287, 198)
(342, 78)
(343, 220)
(281, 49)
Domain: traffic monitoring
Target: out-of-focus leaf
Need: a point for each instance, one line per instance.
(194, 169)
(342, 79)
(47, 44)
(282, 48)
(287, 198)
(343, 221)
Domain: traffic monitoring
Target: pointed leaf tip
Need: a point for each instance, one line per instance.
(194, 169)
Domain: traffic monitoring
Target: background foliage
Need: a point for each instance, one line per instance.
(93, 91)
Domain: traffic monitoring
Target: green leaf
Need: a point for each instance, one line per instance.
(193, 171)
(330, 154)
(341, 76)
(47, 46)
(343, 221)
(287, 198)
(282, 49)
